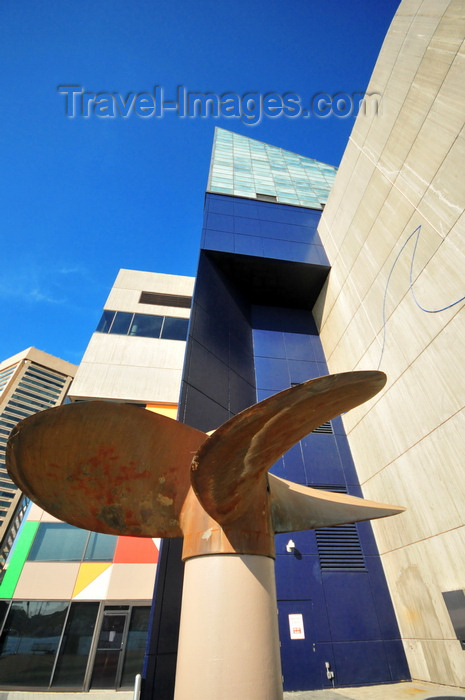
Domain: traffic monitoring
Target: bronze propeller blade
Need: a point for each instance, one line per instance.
(107, 467)
(229, 469)
(120, 469)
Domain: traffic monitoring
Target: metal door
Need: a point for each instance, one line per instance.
(299, 659)
(109, 655)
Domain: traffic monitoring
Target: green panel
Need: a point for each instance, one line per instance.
(17, 558)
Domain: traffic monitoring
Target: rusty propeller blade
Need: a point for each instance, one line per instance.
(108, 467)
(229, 469)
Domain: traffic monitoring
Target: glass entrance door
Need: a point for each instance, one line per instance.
(110, 648)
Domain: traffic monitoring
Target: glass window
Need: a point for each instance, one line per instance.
(175, 328)
(7, 483)
(109, 648)
(25, 384)
(4, 605)
(100, 547)
(146, 326)
(58, 542)
(37, 383)
(45, 376)
(105, 322)
(121, 323)
(29, 642)
(135, 646)
(75, 648)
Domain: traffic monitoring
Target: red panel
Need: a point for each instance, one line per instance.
(135, 550)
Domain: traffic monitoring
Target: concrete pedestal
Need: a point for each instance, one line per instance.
(229, 642)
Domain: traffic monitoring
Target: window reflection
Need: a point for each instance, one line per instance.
(75, 648)
(143, 325)
(63, 542)
(58, 542)
(29, 642)
(135, 646)
(121, 323)
(146, 326)
(39, 636)
(175, 328)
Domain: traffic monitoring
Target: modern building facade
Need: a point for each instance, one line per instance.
(137, 352)
(30, 381)
(74, 605)
(286, 291)
(393, 230)
(261, 270)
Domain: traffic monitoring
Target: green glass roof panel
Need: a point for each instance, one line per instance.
(259, 168)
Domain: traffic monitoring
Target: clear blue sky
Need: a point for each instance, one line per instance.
(82, 198)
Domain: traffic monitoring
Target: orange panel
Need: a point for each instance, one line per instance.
(165, 409)
(135, 550)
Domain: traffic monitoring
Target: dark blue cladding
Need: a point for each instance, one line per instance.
(252, 333)
(248, 227)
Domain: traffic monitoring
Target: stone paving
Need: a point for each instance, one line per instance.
(415, 690)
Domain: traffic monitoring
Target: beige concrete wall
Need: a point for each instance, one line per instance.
(402, 169)
(41, 358)
(128, 368)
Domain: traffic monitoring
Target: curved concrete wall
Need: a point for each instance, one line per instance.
(400, 194)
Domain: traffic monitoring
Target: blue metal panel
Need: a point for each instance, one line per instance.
(291, 562)
(338, 427)
(361, 663)
(351, 609)
(299, 667)
(367, 537)
(246, 226)
(299, 346)
(302, 371)
(317, 348)
(294, 469)
(272, 373)
(384, 609)
(218, 240)
(285, 250)
(219, 204)
(220, 222)
(211, 382)
(395, 655)
(350, 474)
(248, 245)
(321, 460)
(268, 343)
(298, 577)
(245, 207)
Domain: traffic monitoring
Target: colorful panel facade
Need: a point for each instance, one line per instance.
(95, 590)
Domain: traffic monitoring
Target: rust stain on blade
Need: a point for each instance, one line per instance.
(105, 467)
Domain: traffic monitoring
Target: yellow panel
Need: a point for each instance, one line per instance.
(165, 409)
(87, 574)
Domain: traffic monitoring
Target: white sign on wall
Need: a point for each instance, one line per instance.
(296, 626)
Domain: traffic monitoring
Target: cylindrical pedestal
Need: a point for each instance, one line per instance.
(228, 640)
